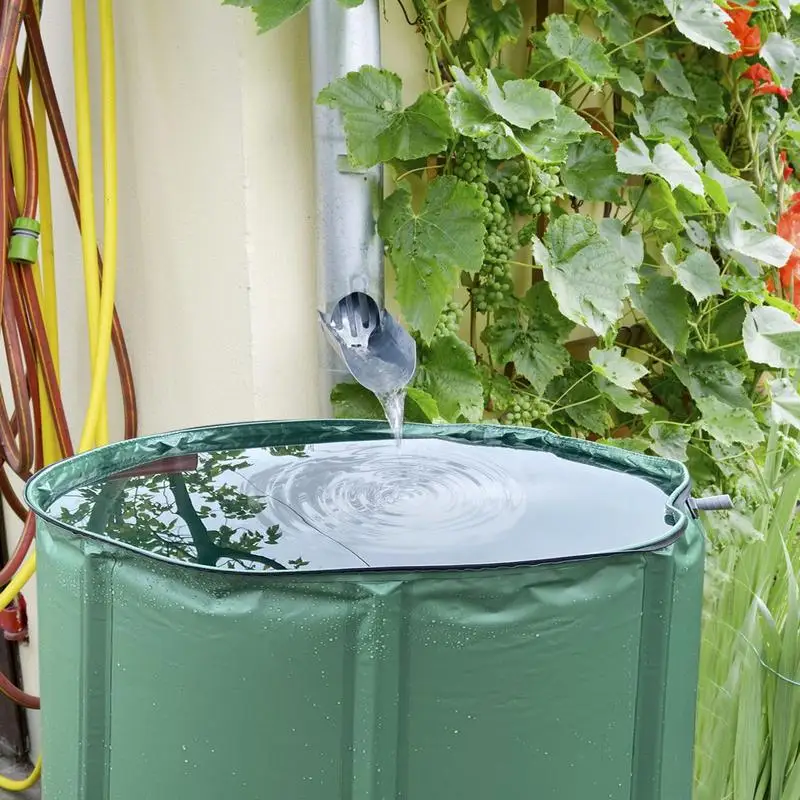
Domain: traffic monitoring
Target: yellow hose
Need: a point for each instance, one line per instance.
(99, 302)
(21, 577)
(91, 267)
(11, 785)
(97, 398)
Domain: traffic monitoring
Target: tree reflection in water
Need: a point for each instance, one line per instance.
(195, 513)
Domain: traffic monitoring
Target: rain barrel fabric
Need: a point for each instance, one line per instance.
(558, 679)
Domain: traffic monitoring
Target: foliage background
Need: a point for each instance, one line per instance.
(591, 228)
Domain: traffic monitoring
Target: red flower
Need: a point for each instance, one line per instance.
(788, 170)
(749, 38)
(789, 229)
(762, 81)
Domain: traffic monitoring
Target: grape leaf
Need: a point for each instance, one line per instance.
(581, 401)
(470, 113)
(633, 157)
(472, 117)
(658, 210)
(486, 113)
(771, 337)
(782, 57)
(449, 374)
(655, 51)
(750, 243)
(709, 97)
(629, 246)
(706, 375)
(421, 407)
(727, 321)
(675, 169)
(729, 425)
(666, 119)
(785, 402)
(592, 5)
(616, 368)
(704, 23)
(429, 249)
(586, 275)
(549, 141)
(716, 194)
(536, 355)
(494, 28)
(670, 440)
(629, 81)
(667, 311)
(617, 29)
(353, 401)
(591, 171)
(706, 136)
(633, 443)
(671, 76)
(543, 65)
(698, 273)
(693, 204)
(271, 13)
(741, 196)
(535, 346)
(623, 400)
(377, 127)
(522, 103)
(585, 57)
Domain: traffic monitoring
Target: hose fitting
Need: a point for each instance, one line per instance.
(23, 246)
(717, 502)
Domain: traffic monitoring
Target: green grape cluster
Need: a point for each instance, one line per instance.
(522, 410)
(449, 320)
(529, 198)
(469, 164)
(519, 412)
(494, 284)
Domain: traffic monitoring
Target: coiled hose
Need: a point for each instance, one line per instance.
(33, 428)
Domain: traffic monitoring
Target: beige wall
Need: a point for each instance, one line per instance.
(217, 281)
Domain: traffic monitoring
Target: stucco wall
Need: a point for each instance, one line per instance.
(217, 280)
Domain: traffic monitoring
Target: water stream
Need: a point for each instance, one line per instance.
(393, 404)
(384, 367)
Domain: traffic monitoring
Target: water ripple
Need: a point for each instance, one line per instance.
(387, 500)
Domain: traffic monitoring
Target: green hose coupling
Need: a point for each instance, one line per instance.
(23, 246)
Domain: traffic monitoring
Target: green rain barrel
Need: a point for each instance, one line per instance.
(305, 611)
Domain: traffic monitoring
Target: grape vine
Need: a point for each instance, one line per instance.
(544, 224)
(613, 193)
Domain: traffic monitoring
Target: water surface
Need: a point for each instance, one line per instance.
(369, 504)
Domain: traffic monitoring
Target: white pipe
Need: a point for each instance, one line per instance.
(349, 250)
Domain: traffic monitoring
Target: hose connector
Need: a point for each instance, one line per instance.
(23, 247)
(717, 502)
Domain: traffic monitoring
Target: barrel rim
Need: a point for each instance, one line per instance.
(57, 479)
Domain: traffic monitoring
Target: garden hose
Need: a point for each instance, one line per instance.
(34, 431)
(96, 428)
(11, 785)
